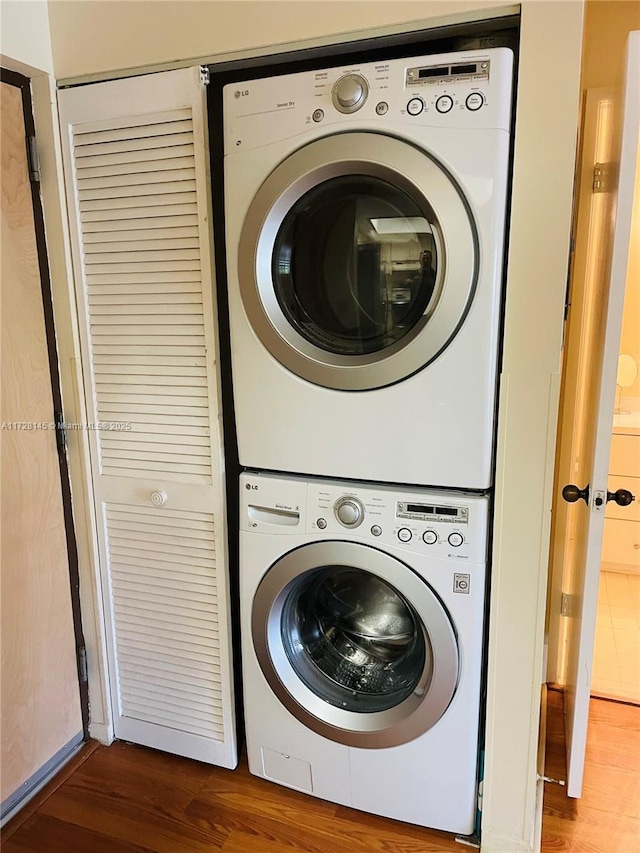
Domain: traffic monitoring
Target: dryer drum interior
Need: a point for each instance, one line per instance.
(354, 640)
(355, 264)
(355, 644)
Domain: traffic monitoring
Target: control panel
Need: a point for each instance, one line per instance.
(449, 525)
(469, 89)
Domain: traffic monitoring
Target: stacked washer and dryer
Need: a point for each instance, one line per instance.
(365, 218)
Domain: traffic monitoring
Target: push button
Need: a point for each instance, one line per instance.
(430, 537)
(455, 540)
(318, 115)
(404, 534)
(415, 106)
(382, 108)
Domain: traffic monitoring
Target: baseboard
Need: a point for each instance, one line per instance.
(42, 784)
(102, 733)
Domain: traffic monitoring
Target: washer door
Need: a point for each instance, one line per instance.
(357, 261)
(355, 644)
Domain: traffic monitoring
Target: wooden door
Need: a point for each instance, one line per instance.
(136, 170)
(610, 216)
(41, 709)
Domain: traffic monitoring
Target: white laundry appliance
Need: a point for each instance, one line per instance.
(362, 631)
(365, 217)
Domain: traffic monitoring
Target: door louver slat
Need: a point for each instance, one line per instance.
(145, 265)
(170, 638)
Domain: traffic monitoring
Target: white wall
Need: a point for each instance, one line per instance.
(25, 42)
(106, 35)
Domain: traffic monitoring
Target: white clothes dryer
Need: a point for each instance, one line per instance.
(362, 629)
(365, 217)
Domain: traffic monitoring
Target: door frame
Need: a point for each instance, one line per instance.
(19, 81)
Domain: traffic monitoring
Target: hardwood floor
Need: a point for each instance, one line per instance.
(606, 819)
(128, 799)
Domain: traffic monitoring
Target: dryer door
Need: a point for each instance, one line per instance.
(355, 644)
(357, 261)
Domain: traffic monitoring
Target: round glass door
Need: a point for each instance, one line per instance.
(355, 644)
(354, 640)
(357, 261)
(355, 264)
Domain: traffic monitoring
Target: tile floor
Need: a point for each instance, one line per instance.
(616, 664)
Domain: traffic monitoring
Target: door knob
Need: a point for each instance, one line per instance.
(622, 497)
(572, 493)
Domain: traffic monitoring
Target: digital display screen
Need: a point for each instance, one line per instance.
(420, 508)
(433, 72)
(446, 510)
(464, 69)
(443, 513)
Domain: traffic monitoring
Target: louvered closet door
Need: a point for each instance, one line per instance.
(138, 192)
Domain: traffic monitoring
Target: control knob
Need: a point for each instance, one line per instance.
(349, 511)
(349, 93)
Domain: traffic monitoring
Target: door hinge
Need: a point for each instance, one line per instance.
(602, 177)
(61, 435)
(83, 670)
(554, 781)
(566, 604)
(33, 159)
(205, 76)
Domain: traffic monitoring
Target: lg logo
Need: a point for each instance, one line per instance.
(241, 93)
(252, 487)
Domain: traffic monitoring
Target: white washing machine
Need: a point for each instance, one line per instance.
(365, 217)
(362, 627)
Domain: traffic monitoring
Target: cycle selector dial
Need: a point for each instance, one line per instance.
(349, 511)
(350, 93)
(405, 535)
(444, 104)
(415, 106)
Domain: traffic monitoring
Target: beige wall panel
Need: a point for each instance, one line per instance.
(103, 35)
(606, 27)
(630, 341)
(25, 46)
(607, 24)
(40, 696)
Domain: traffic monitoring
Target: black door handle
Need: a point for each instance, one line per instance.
(622, 497)
(572, 493)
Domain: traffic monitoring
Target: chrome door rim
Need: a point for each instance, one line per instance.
(423, 179)
(404, 722)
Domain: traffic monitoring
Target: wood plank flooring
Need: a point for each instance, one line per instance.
(606, 819)
(128, 799)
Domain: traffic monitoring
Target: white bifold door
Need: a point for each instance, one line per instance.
(137, 177)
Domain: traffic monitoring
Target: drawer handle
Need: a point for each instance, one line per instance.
(158, 498)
